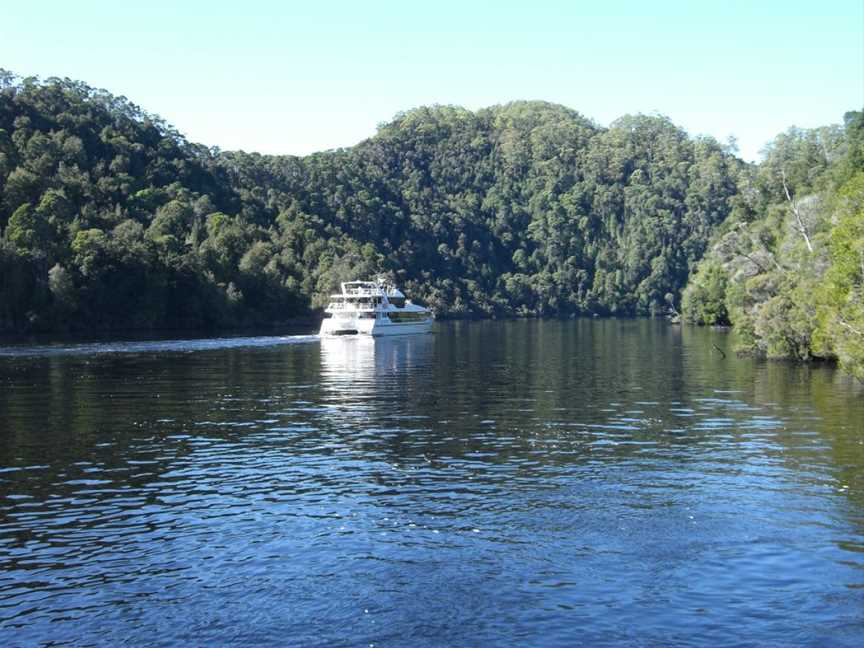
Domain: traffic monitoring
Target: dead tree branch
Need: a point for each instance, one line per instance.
(802, 229)
(849, 327)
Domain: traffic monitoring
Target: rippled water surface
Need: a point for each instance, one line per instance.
(514, 483)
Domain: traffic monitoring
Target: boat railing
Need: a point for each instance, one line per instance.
(348, 306)
(367, 292)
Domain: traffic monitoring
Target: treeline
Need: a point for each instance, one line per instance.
(111, 219)
(787, 267)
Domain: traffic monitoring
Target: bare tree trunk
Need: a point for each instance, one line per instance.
(801, 228)
(849, 327)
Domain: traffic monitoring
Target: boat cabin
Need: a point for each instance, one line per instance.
(366, 295)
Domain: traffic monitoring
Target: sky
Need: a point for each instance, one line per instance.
(286, 77)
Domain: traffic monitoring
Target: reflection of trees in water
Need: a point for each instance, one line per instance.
(569, 364)
(93, 441)
(829, 406)
(510, 389)
(103, 410)
(469, 385)
(60, 410)
(541, 393)
(569, 383)
(816, 405)
(478, 408)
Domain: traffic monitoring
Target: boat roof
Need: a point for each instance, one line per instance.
(368, 289)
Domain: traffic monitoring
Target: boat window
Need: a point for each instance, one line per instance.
(408, 317)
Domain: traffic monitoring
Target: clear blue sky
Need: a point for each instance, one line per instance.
(295, 77)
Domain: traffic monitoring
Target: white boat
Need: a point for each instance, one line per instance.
(374, 308)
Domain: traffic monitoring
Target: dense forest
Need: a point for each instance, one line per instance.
(786, 269)
(110, 218)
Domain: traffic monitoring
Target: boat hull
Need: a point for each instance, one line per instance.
(336, 326)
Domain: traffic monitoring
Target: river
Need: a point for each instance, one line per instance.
(543, 483)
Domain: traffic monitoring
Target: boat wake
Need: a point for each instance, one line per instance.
(151, 346)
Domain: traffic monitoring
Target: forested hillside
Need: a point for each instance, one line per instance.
(111, 219)
(787, 268)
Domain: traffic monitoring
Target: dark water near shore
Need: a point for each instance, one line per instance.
(495, 483)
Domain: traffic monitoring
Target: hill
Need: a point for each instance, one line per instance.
(111, 219)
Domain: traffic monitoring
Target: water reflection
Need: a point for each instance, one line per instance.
(354, 367)
(590, 481)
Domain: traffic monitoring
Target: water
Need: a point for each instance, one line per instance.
(495, 483)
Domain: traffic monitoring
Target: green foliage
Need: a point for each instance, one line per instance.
(521, 209)
(111, 219)
(99, 206)
(784, 325)
(62, 287)
(25, 230)
(704, 298)
(841, 325)
(788, 265)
